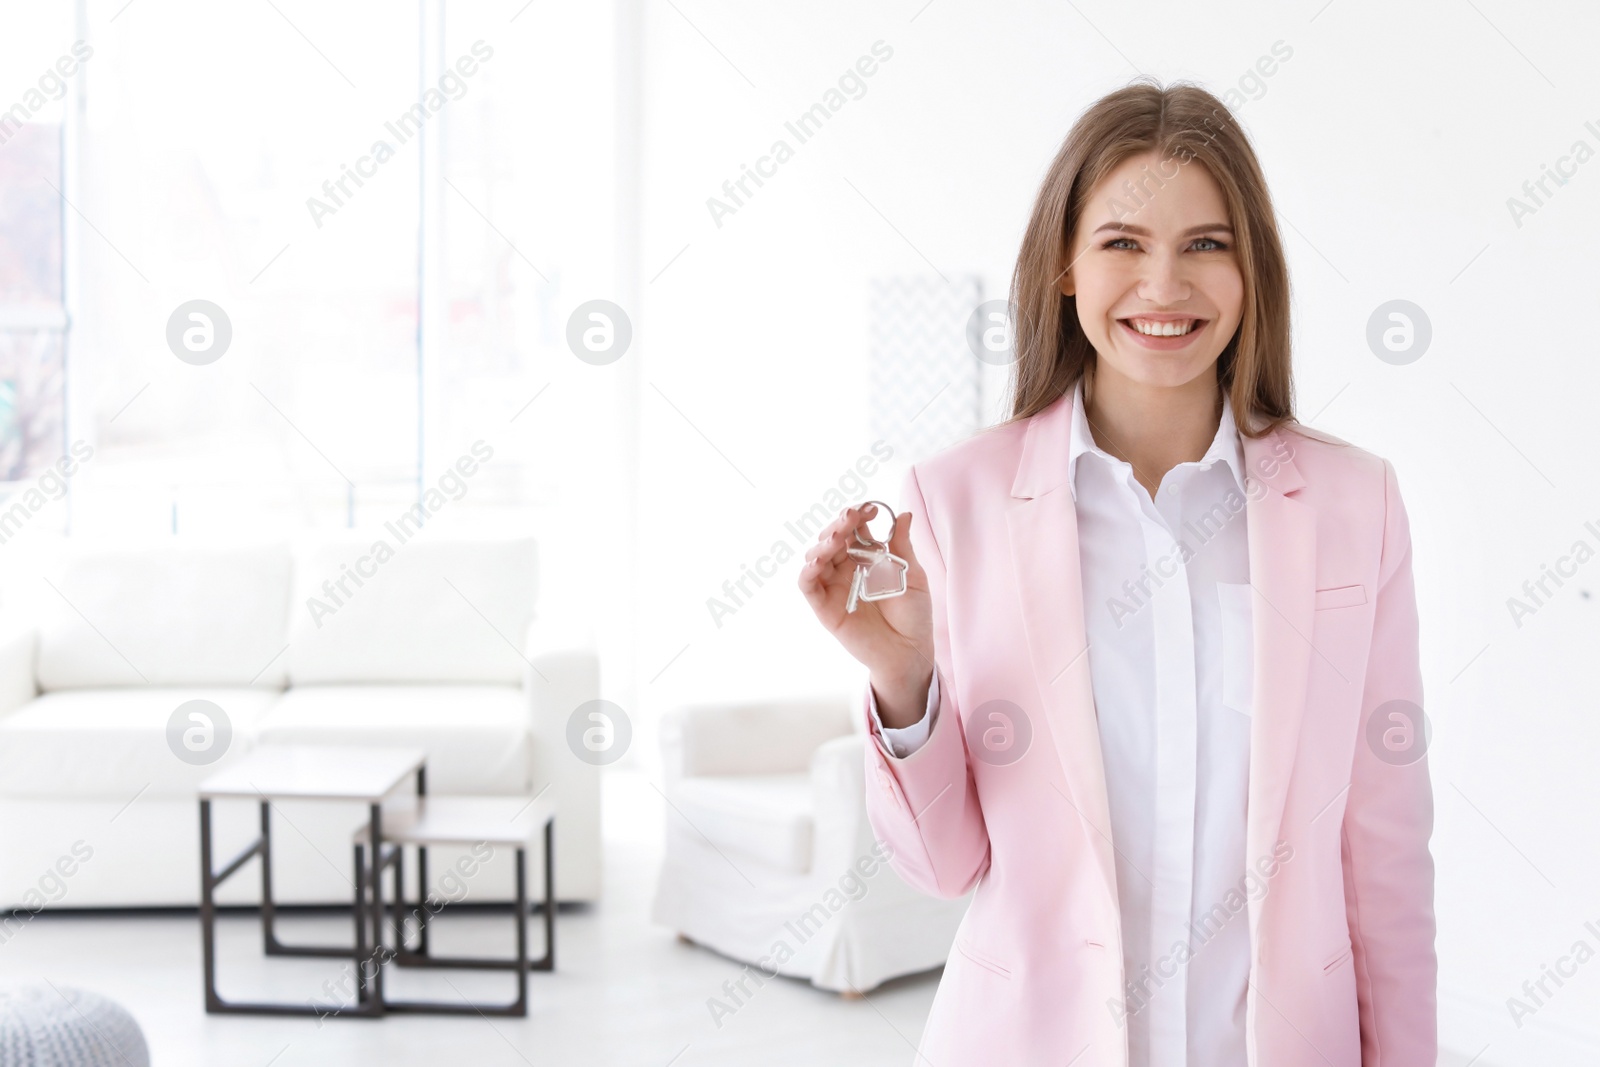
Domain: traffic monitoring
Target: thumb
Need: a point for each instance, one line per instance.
(900, 539)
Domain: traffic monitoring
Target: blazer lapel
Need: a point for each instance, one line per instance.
(1044, 553)
(1283, 572)
(1043, 529)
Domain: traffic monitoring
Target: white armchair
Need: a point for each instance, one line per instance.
(769, 856)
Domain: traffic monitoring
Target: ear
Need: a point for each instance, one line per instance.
(1067, 285)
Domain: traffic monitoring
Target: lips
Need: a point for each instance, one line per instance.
(1163, 341)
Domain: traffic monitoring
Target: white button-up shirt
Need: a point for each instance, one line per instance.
(1166, 601)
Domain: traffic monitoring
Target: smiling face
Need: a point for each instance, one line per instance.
(1159, 290)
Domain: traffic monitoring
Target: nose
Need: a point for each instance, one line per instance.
(1163, 278)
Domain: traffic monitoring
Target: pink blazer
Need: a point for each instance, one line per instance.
(1342, 933)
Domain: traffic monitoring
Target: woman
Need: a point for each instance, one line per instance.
(1153, 688)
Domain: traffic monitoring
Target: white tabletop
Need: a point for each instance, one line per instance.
(459, 820)
(315, 772)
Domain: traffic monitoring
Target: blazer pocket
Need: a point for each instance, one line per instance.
(981, 961)
(1341, 596)
(1337, 958)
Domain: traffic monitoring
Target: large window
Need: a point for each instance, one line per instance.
(33, 314)
(215, 145)
(385, 210)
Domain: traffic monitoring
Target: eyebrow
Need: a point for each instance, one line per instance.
(1125, 227)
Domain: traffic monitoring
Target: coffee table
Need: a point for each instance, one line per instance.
(307, 772)
(513, 822)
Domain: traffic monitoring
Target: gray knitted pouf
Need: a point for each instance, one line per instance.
(40, 1027)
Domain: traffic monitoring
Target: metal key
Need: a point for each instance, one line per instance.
(873, 557)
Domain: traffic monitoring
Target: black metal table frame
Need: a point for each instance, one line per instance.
(367, 961)
(402, 956)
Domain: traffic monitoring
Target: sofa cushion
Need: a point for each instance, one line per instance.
(375, 608)
(168, 613)
(476, 736)
(765, 816)
(112, 743)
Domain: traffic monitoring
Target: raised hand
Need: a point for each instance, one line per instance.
(893, 637)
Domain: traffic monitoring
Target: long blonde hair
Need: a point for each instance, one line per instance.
(1186, 123)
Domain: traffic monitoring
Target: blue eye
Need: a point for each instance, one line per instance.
(1112, 244)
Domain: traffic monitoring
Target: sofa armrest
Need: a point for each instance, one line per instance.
(17, 684)
(555, 682)
(770, 737)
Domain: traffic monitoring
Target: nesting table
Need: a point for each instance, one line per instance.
(369, 775)
(510, 822)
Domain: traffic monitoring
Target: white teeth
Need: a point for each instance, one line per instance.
(1163, 329)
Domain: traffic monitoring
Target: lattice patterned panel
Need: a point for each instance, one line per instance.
(923, 376)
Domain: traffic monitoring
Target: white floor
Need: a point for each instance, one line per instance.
(624, 992)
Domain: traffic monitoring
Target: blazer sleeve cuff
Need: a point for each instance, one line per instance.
(903, 741)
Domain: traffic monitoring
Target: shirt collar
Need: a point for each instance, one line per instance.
(1224, 446)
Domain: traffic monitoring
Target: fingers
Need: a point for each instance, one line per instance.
(828, 548)
(828, 563)
(823, 573)
(832, 548)
(838, 535)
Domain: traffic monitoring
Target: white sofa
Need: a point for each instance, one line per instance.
(769, 856)
(432, 646)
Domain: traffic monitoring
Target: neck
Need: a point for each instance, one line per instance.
(1153, 428)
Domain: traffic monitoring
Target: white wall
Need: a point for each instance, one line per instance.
(1392, 138)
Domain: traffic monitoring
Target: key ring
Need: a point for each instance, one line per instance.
(872, 555)
(868, 542)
